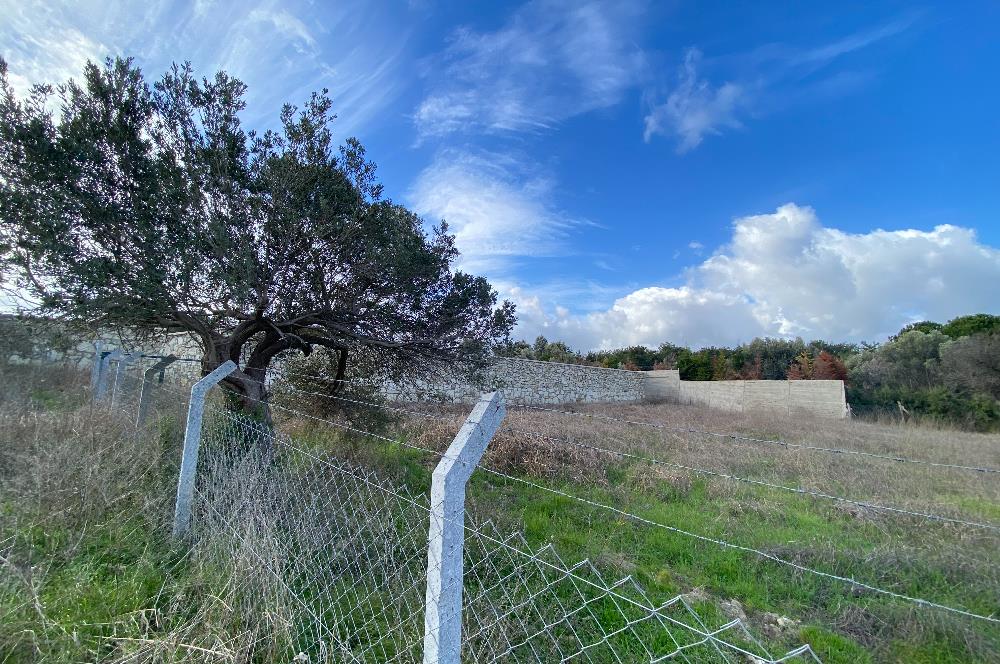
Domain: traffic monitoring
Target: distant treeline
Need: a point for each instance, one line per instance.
(948, 372)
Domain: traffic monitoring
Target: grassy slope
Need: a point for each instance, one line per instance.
(841, 625)
(102, 564)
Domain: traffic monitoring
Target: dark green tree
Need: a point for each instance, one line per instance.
(924, 326)
(151, 209)
(965, 326)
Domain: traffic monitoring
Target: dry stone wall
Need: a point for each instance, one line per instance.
(533, 382)
(529, 381)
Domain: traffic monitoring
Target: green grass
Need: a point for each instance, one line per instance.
(801, 529)
(86, 587)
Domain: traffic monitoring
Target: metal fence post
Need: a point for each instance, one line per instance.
(95, 371)
(120, 373)
(446, 538)
(147, 386)
(102, 377)
(192, 440)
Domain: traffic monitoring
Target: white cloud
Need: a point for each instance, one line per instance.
(497, 208)
(552, 60)
(41, 49)
(785, 274)
(695, 108)
(288, 25)
(282, 50)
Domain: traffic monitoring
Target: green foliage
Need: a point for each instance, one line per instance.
(978, 412)
(943, 373)
(910, 360)
(542, 350)
(931, 376)
(972, 363)
(964, 326)
(924, 326)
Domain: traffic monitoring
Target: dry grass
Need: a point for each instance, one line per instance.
(917, 487)
(951, 563)
(550, 444)
(88, 572)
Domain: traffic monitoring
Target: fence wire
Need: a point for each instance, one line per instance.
(330, 559)
(326, 560)
(584, 444)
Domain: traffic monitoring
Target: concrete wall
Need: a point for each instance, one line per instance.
(821, 398)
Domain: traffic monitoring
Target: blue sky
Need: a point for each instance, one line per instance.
(629, 172)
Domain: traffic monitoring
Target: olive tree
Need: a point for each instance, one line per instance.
(972, 363)
(149, 208)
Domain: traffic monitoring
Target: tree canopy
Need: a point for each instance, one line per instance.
(150, 208)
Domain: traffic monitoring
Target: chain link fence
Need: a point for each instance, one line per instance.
(315, 557)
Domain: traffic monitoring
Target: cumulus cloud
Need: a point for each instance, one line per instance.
(496, 206)
(551, 60)
(785, 274)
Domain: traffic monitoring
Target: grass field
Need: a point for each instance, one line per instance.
(88, 572)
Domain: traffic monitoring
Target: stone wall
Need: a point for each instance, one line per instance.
(533, 382)
(530, 381)
(821, 398)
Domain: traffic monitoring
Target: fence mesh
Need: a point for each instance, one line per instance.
(329, 556)
(331, 560)
(315, 558)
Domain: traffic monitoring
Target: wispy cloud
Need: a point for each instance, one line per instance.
(282, 50)
(550, 61)
(764, 80)
(287, 25)
(41, 49)
(695, 108)
(859, 40)
(498, 206)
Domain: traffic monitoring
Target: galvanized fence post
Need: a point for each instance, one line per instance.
(102, 375)
(147, 387)
(95, 371)
(120, 374)
(192, 441)
(446, 538)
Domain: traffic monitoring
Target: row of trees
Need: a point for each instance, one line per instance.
(947, 371)
(761, 359)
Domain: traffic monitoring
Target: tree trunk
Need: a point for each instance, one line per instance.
(247, 393)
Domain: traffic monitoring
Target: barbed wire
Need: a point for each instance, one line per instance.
(714, 434)
(661, 426)
(654, 460)
(640, 519)
(705, 636)
(782, 443)
(746, 480)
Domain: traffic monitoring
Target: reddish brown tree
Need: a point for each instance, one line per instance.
(827, 366)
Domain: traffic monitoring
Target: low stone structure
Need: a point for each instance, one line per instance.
(533, 382)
